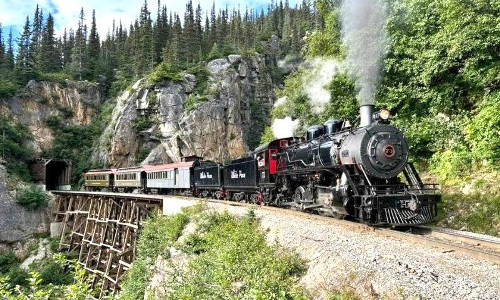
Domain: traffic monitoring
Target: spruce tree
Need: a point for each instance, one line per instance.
(93, 48)
(9, 54)
(2, 51)
(36, 37)
(78, 60)
(24, 68)
(49, 56)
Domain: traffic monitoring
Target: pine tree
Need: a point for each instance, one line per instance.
(173, 53)
(24, 68)
(144, 42)
(78, 59)
(9, 55)
(93, 48)
(36, 37)
(189, 33)
(67, 44)
(2, 51)
(49, 56)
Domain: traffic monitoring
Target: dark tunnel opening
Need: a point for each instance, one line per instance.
(57, 174)
(53, 173)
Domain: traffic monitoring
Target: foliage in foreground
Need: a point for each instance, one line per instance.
(37, 287)
(230, 259)
(475, 212)
(32, 197)
(158, 234)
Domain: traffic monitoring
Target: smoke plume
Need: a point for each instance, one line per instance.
(283, 128)
(364, 35)
(322, 73)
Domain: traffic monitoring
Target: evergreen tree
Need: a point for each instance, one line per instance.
(24, 68)
(173, 53)
(78, 59)
(189, 33)
(93, 48)
(2, 50)
(67, 44)
(36, 37)
(49, 56)
(9, 55)
(144, 42)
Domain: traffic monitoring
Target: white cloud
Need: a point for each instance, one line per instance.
(66, 12)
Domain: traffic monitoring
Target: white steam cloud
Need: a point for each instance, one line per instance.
(364, 35)
(322, 74)
(283, 128)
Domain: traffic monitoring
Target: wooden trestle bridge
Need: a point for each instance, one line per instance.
(102, 229)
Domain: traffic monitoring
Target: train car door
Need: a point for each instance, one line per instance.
(144, 180)
(273, 157)
(176, 177)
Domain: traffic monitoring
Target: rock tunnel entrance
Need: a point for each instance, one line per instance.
(55, 174)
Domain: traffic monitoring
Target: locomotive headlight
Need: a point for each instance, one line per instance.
(384, 114)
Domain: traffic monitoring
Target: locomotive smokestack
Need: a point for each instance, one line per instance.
(365, 112)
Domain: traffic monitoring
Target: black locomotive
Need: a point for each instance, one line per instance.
(336, 170)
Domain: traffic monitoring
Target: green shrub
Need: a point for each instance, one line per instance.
(33, 287)
(164, 72)
(17, 276)
(14, 148)
(32, 197)
(232, 260)
(475, 212)
(56, 273)
(202, 74)
(142, 123)
(157, 235)
(7, 261)
(60, 77)
(190, 103)
(7, 88)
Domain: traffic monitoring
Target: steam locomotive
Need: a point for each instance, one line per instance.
(336, 170)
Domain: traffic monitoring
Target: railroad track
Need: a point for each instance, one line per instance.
(447, 240)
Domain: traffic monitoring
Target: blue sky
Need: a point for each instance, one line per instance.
(65, 12)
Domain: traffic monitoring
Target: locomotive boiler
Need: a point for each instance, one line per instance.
(341, 171)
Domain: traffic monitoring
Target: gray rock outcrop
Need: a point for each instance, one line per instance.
(73, 102)
(161, 123)
(16, 222)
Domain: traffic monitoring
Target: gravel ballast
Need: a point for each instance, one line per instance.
(372, 265)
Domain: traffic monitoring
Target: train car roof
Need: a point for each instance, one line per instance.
(165, 167)
(129, 169)
(101, 171)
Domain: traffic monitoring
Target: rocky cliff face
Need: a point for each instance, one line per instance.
(16, 222)
(73, 102)
(166, 121)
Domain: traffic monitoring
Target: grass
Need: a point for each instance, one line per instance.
(158, 234)
(475, 212)
(227, 258)
(230, 259)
